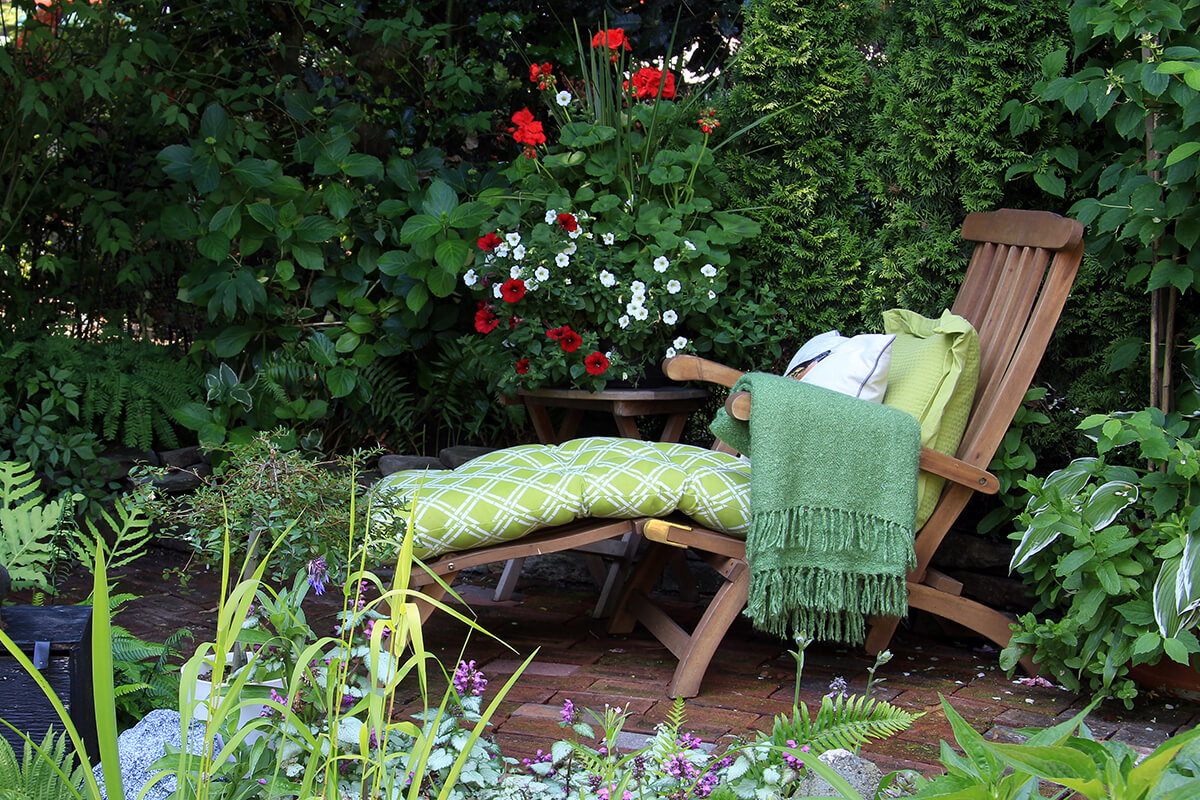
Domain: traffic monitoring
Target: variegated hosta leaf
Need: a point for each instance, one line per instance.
(1107, 502)
(1066, 481)
(1038, 536)
(1177, 590)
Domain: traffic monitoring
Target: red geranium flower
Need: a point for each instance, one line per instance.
(523, 366)
(614, 39)
(485, 320)
(708, 121)
(528, 131)
(540, 74)
(512, 290)
(570, 340)
(646, 81)
(568, 222)
(489, 242)
(596, 363)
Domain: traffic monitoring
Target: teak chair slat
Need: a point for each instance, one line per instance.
(1016, 284)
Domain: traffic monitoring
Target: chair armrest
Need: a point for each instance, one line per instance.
(694, 368)
(948, 467)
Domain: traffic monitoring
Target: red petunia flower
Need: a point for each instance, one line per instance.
(523, 366)
(512, 290)
(568, 222)
(646, 81)
(614, 39)
(485, 320)
(556, 333)
(596, 363)
(489, 242)
(570, 340)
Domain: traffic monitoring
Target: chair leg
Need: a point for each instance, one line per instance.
(880, 633)
(645, 575)
(982, 619)
(726, 604)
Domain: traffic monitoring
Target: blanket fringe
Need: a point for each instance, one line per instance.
(837, 582)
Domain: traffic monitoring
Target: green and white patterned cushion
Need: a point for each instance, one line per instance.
(511, 493)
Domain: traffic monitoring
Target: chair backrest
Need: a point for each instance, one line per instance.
(1020, 274)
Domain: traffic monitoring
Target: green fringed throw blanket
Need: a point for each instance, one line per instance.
(833, 493)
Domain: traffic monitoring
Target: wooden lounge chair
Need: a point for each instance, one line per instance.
(1020, 274)
(1019, 277)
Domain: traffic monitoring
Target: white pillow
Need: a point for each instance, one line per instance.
(857, 366)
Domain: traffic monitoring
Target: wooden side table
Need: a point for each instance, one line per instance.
(625, 405)
(676, 403)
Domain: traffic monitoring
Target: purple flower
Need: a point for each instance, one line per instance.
(690, 741)
(568, 712)
(318, 572)
(790, 759)
(468, 681)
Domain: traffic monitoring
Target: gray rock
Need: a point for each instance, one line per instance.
(183, 457)
(861, 774)
(455, 457)
(389, 464)
(145, 743)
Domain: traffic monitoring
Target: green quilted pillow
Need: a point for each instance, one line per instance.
(935, 366)
(511, 493)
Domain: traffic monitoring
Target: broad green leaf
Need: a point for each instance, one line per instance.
(176, 162)
(214, 246)
(179, 222)
(252, 172)
(452, 255)
(338, 199)
(1062, 765)
(264, 214)
(393, 262)
(214, 123)
(308, 256)
(340, 380)
(420, 228)
(441, 283)
(321, 349)
(315, 228)
(1182, 151)
(221, 219)
(417, 297)
(737, 225)
(1125, 352)
(347, 342)
(439, 199)
(361, 165)
(231, 341)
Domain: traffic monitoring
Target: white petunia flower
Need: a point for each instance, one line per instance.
(530, 285)
(680, 342)
(515, 271)
(629, 202)
(519, 252)
(502, 251)
(708, 271)
(670, 317)
(640, 314)
(661, 264)
(638, 288)
(673, 286)
(688, 245)
(609, 238)
(712, 295)
(470, 278)
(551, 216)
(633, 306)
(570, 248)
(513, 239)
(496, 290)
(562, 259)
(541, 274)
(670, 353)
(563, 98)
(623, 320)
(575, 234)
(607, 279)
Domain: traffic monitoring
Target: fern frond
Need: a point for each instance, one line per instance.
(845, 722)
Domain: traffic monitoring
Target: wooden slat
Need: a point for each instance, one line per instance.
(1025, 228)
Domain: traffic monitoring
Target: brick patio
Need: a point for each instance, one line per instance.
(750, 681)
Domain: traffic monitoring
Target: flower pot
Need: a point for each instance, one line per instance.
(1170, 678)
(246, 714)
